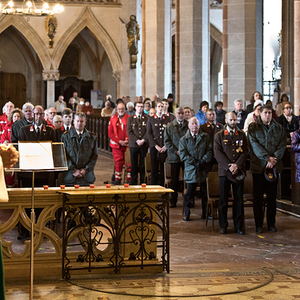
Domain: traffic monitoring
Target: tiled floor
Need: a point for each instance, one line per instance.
(204, 264)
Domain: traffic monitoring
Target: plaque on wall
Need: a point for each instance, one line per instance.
(70, 63)
(96, 98)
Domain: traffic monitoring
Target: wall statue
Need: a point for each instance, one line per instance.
(133, 36)
(51, 26)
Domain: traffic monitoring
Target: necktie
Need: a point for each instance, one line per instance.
(67, 128)
(231, 132)
(195, 138)
(38, 133)
(80, 136)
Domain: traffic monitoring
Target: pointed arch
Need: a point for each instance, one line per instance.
(88, 19)
(31, 36)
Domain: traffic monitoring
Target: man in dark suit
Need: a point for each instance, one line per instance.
(35, 132)
(27, 109)
(230, 149)
(137, 134)
(82, 153)
(67, 117)
(174, 131)
(211, 127)
(155, 132)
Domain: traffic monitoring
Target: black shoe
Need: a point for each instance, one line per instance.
(241, 232)
(172, 204)
(272, 229)
(223, 230)
(259, 230)
(186, 218)
(203, 217)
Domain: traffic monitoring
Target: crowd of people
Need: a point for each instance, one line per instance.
(211, 139)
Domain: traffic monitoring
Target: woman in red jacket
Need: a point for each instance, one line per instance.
(15, 115)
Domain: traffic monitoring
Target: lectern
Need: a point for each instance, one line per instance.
(37, 157)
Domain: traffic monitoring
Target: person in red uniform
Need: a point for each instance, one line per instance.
(117, 131)
(7, 108)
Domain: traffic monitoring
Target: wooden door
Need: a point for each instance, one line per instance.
(12, 88)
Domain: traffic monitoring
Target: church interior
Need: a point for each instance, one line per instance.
(216, 50)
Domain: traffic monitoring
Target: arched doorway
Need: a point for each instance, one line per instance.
(84, 67)
(20, 70)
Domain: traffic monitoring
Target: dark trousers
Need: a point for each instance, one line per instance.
(189, 197)
(156, 168)
(238, 203)
(261, 186)
(175, 171)
(137, 157)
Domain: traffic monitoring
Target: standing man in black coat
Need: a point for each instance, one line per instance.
(26, 120)
(82, 153)
(37, 131)
(241, 114)
(138, 145)
(156, 126)
(230, 149)
(174, 131)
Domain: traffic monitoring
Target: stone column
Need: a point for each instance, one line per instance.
(242, 51)
(192, 52)
(131, 79)
(287, 46)
(296, 56)
(157, 48)
(50, 76)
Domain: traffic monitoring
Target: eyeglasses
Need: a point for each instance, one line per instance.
(288, 107)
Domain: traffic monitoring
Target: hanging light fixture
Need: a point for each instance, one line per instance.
(29, 8)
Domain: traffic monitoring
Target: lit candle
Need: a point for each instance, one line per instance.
(143, 184)
(76, 186)
(126, 184)
(108, 186)
(62, 186)
(92, 186)
(46, 187)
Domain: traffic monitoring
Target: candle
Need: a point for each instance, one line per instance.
(76, 186)
(62, 186)
(108, 186)
(126, 184)
(143, 184)
(92, 186)
(46, 187)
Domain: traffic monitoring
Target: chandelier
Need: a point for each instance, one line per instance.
(29, 8)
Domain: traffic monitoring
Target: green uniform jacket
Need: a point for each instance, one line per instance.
(173, 133)
(81, 154)
(265, 143)
(191, 151)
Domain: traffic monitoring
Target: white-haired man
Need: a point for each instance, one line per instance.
(27, 109)
(241, 114)
(7, 108)
(195, 150)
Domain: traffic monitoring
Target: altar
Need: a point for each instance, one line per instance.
(88, 230)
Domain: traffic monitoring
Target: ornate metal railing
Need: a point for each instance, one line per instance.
(114, 228)
(134, 231)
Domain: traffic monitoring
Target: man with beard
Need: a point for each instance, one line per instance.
(230, 149)
(117, 131)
